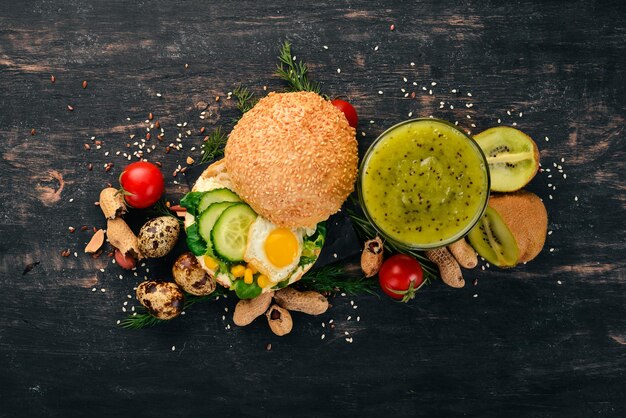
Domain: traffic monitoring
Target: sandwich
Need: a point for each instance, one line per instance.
(255, 219)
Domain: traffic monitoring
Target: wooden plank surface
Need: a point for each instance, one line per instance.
(544, 339)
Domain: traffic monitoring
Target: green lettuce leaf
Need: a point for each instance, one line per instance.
(246, 291)
(190, 202)
(195, 243)
(282, 284)
(312, 246)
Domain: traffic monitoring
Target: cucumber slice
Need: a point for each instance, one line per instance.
(217, 195)
(207, 219)
(230, 233)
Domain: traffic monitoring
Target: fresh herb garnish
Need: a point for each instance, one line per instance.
(213, 146)
(245, 100)
(144, 320)
(295, 73)
(334, 279)
(160, 208)
(140, 320)
(366, 231)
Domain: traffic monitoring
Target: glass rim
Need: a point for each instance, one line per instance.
(464, 231)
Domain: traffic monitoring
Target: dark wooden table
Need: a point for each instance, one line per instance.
(544, 339)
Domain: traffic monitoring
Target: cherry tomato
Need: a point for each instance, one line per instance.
(142, 184)
(347, 110)
(400, 277)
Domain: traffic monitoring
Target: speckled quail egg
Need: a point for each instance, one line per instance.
(190, 275)
(163, 300)
(158, 236)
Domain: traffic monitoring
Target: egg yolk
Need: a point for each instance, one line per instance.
(281, 247)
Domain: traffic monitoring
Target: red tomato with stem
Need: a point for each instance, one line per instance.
(401, 276)
(348, 111)
(142, 184)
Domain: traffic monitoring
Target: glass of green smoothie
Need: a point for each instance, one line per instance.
(423, 184)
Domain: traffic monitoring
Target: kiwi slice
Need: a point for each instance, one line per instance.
(526, 216)
(493, 240)
(512, 156)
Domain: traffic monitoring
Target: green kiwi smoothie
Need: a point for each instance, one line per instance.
(424, 183)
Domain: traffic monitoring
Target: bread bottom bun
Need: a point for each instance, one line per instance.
(214, 177)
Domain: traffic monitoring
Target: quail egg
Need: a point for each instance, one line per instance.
(158, 236)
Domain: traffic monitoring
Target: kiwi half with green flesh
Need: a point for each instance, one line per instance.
(512, 156)
(493, 240)
(526, 216)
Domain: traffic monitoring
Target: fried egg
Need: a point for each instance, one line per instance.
(273, 251)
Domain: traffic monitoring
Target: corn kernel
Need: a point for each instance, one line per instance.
(247, 276)
(238, 271)
(251, 267)
(262, 281)
(210, 262)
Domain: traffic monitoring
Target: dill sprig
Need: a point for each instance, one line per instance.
(143, 319)
(213, 146)
(295, 73)
(140, 320)
(245, 99)
(334, 279)
(366, 231)
(160, 208)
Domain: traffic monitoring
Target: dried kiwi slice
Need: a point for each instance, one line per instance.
(512, 156)
(493, 240)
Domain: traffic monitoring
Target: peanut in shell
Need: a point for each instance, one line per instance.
(279, 320)
(309, 302)
(122, 237)
(247, 310)
(464, 254)
(449, 268)
(372, 257)
(112, 203)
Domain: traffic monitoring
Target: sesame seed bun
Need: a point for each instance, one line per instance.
(293, 158)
